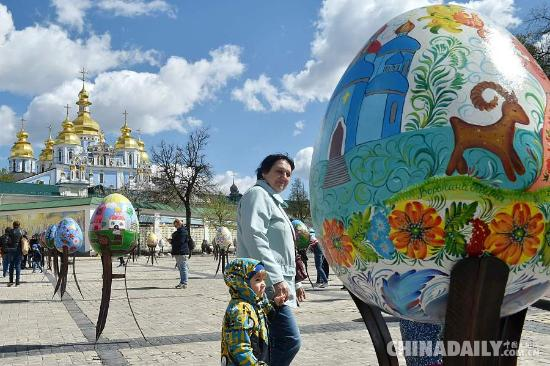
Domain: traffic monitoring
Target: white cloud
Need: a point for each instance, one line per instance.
(298, 128)
(9, 123)
(37, 59)
(343, 27)
(302, 163)
(132, 8)
(155, 102)
(260, 95)
(72, 12)
(500, 11)
(225, 180)
(6, 24)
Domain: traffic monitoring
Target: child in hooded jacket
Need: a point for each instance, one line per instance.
(244, 329)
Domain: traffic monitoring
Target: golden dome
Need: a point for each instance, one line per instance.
(47, 152)
(22, 148)
(67, 136)
(143, 156)
(84, 124)
(125, 141)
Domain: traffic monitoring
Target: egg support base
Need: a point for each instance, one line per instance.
(223, 259)
(108, 276)
(475, 297)
(151, 256)
(55, 257)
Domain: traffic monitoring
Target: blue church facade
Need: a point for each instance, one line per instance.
(378, 84)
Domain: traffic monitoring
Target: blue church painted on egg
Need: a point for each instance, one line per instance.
(374, 87)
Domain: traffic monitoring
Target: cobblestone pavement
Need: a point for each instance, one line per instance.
(181, 326)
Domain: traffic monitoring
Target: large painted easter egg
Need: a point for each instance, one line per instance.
(302, 234)
(42, 238)
(50, 236)
(152, 240)
(435, 146)
(68, 235)
(223, 237)
(114, 224)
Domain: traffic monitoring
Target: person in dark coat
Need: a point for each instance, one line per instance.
(4, 242)
(180, 251)
(15, 252)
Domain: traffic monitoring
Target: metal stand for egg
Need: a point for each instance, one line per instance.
(62, 273)
(55, 261)
(108, 276)
(223, 259)
(475, 297)
(48, 259)
(151, 256)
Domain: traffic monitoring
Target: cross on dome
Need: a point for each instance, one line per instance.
(83, 72)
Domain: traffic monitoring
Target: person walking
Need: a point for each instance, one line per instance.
(15, 253)
(180, 250)
(322, 280)
(36, 256)
(4, 241)
(265, 233)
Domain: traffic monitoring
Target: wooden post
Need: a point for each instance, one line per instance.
(378, 330)
(475, 297)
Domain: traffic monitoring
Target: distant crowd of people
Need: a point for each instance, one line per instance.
(18, 252)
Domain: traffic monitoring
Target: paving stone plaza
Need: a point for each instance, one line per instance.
(181, 326)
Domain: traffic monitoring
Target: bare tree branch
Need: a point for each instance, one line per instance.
(183, 171)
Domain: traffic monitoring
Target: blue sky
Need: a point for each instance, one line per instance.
(257, 73)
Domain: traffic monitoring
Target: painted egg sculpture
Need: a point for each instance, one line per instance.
(114, 224)
(152, 240)
(223, 237)
(302, 234)
(435, 146)
(68, 235)
(50, 236)
(42, 238)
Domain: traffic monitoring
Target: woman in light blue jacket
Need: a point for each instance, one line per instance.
(265, 233)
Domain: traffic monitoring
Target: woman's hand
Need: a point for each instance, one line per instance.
(281, 290)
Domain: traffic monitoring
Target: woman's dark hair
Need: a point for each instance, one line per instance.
(269, 161)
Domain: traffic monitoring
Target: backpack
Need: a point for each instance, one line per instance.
(301, 272)
(4, 242)
(25, 245)
(15, 240)
(190, 244)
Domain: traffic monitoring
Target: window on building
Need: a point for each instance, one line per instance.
(70, 154)
(59, 157)
(101, 178)
(130, 159)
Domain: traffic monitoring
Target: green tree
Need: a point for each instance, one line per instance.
(220, 211)
(6, 176)
(298, 202)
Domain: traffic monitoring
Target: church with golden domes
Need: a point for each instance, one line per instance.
(79, 155)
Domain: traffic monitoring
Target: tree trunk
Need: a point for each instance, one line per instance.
(188, 217)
